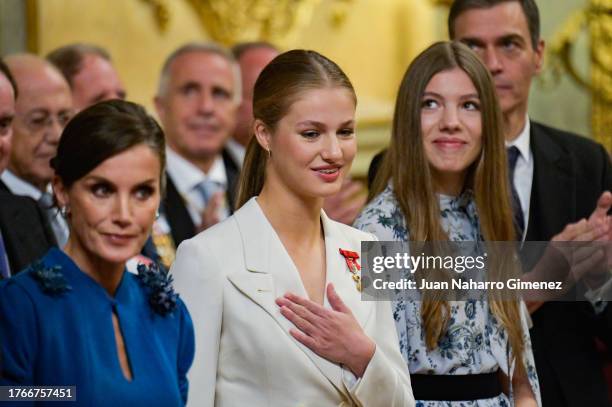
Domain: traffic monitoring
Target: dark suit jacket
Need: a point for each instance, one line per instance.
(26, 232)
(4, 187)
(570, 173)
(176, 212)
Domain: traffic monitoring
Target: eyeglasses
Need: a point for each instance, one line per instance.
(39, 121)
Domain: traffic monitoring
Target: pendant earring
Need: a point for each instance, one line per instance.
(65, 211)
(269, 153)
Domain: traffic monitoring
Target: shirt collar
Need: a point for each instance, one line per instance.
(236, 150)
(187, 176)
(523, 141)
(20, 187)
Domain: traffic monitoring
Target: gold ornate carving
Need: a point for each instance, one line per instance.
(231, 21)
(340, 12)
(601, 72)
(32, 25)
(597, 19)
(161, 13)
(561, 46)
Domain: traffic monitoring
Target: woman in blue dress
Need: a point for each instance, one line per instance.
(444, 178)
(76, 317)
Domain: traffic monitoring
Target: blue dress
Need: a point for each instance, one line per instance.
(475, 341)
(67, 338)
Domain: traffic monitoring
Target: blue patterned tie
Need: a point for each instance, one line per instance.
(5, 271)
(207, 188)
(519, 219)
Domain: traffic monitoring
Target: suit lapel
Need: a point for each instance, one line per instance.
(270, 274)
(177, 215)
(25, 230)
(232, 171)
(553, 195)
(338, 272)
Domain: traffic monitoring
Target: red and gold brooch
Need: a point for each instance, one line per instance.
(354, 267)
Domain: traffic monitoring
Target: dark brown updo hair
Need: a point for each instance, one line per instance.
(278, 86)
(102, 131)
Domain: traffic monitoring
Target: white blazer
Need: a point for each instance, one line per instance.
(230, 275)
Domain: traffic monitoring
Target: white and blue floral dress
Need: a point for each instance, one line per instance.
(475, 341)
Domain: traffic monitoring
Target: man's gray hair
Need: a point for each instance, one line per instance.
(205, 48)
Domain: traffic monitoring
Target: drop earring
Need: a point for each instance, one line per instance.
(64, 211)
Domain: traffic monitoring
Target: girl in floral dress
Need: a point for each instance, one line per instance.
(444, 177)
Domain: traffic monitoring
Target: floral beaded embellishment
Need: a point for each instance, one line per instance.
(158, 284)
(354, 267)
(50, 279)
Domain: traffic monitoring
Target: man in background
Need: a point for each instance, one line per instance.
(197, 102)
(252, 57)
(89, 71)
(558, 178)
(24, 233)
(42, 109)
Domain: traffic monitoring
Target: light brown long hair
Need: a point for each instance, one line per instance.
(406, 165)
(278, 86)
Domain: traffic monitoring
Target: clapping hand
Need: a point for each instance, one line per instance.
(600, 214)
(333, 334)
(586, 258)
(589, 262)
(210, 214)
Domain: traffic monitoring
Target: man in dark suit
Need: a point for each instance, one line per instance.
(43, 108)
(197, 102)
(558, 179)
(24, 233)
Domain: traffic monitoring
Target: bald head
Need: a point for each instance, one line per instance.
(43, 107)
(26, 67)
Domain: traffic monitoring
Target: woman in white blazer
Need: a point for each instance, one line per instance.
(273, 291)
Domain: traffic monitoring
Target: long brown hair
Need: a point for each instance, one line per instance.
(406, 166)
(278, 86)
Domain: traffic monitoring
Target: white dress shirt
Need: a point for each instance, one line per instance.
(18, 186)
(186, 177)
(523, 172)
(523, 180)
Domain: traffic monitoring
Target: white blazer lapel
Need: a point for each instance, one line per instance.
(338, 272)
(270, 274)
